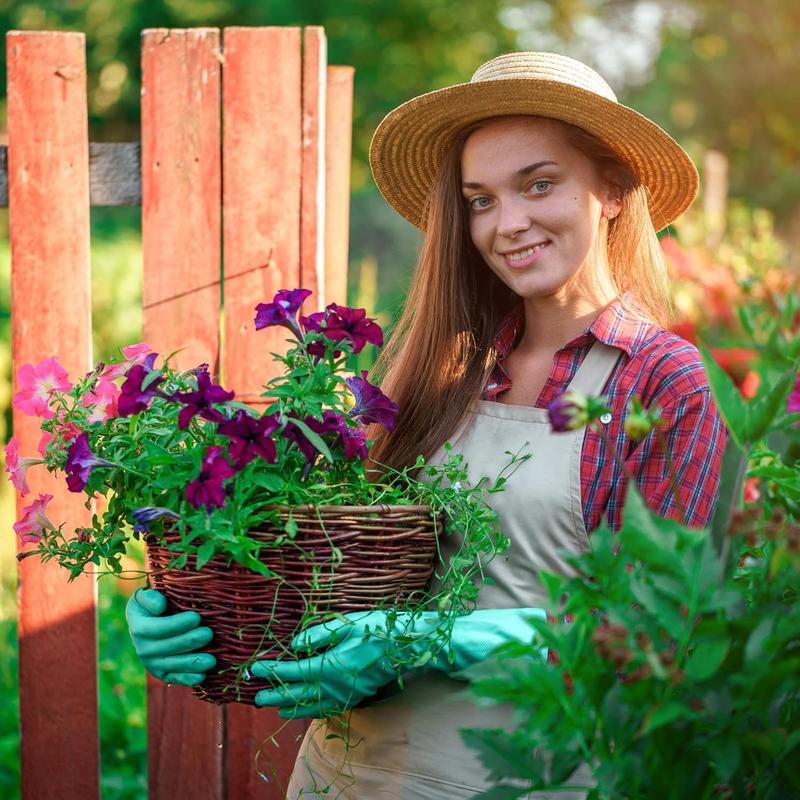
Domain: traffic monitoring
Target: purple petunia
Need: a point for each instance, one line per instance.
(282, 310)
(250, 438)
(80, 462)
(372, 405)
(202, 401)
(206, 489)
(146, 514)
(340, 323)
(133, 398)
(568, 411)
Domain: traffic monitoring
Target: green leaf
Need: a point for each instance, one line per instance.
(270, 481)
(243, 406)
(204, 554)
(666, 714)
(763, 410)
(706, 659)
(753, 650)
(729, 400)
(648, 537)
(313, 437)
(726, 755)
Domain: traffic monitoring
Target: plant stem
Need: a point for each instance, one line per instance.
(673, 476)
(601, 431)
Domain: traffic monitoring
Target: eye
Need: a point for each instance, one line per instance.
(478, 203)
(541, 187)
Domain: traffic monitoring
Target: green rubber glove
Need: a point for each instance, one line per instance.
(362, 649)
(166, 645)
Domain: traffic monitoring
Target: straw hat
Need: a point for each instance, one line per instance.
(409, 143)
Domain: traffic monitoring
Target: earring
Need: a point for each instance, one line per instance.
(610, 214)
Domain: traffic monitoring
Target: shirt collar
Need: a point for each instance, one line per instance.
(615, 326)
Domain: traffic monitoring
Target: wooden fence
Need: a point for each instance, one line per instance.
(243, 179)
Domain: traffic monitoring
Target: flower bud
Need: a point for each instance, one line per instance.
(568, 412)
(637, 426)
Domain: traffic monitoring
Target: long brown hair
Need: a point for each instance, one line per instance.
(441, 350)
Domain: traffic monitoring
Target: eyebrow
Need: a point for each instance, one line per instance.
(520, 173)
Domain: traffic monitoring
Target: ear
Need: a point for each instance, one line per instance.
(612, 201)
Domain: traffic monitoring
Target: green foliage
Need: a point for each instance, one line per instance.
(681, 650)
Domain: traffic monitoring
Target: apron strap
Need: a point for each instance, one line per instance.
(595, 369)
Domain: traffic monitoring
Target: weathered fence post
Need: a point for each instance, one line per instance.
(48, 169)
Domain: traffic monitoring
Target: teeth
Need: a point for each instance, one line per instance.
(525, 253)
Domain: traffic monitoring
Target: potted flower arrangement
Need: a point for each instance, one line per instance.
(263, 521)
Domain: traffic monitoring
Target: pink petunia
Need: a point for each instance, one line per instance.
(36, 386)
(17, 467)
(104, 399)
(134, 354)
(34, 518)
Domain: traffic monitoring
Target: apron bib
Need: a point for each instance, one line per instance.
(408, 747)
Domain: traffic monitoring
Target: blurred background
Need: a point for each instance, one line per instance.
(722, 77)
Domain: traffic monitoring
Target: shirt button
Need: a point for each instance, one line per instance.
(605, 419)
(492, 386)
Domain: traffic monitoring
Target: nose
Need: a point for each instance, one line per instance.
(513, 218)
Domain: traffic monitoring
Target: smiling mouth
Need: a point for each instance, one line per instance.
(521, 255)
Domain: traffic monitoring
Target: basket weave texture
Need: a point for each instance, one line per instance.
(343, 558)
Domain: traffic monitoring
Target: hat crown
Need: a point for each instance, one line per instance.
(543, 67)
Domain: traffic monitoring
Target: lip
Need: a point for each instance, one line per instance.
(525, 262)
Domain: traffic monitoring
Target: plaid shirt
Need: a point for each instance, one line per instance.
(660, 368)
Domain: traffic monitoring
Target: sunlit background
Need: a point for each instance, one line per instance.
(721, 77)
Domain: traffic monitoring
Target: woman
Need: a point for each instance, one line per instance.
(540, 196)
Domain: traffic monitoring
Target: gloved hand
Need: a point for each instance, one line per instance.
(165, 645)
(363, 650)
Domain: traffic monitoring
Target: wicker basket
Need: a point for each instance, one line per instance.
(343, 558)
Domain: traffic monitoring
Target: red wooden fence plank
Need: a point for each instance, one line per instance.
(261, 186)
(338, 150)
(51, 315)
(312, 186)
(181, 227)
(261, 202)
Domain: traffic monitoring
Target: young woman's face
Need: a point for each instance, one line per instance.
(534, 204)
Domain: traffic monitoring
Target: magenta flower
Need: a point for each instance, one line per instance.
(133, 398)
(202, 401)
(250, 438)
(340, 323)
(206, 489)
(17, 467)
(793, 401)
(146, 514)
(134, 354)
(282, 310)
(372, 405)
(36, 386)
(568, 411)
(104, 399)
(80, 462)
(34, 518)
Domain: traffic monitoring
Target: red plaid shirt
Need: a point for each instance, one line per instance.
(660, 368)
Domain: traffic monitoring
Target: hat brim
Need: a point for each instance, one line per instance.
(408, 145)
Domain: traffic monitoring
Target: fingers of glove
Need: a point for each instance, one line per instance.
(322, 635)
(291, 694)
(151, 601)
(190, 662)
(174, 646)
(163, 627)
(314, 710)
(306, 669)
(184, 678)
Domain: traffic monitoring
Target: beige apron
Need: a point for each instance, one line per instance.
(408, 747)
